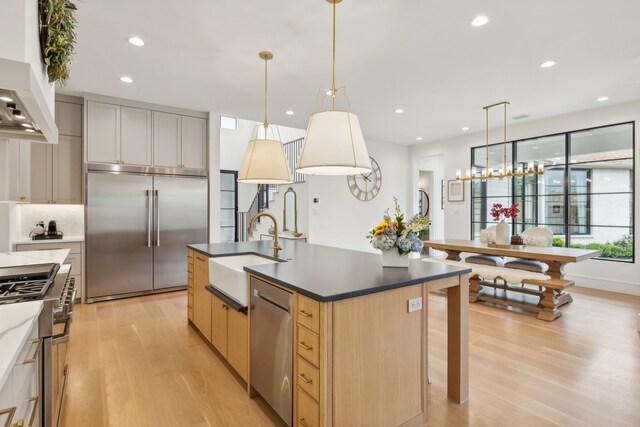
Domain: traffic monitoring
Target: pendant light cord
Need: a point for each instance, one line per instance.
(505, 137)
(333, 72)
(266, 122)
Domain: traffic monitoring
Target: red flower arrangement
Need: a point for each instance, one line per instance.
(498, 212)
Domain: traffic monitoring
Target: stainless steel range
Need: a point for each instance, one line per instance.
(51, 284)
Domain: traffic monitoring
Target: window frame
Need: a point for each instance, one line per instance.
(566, 185)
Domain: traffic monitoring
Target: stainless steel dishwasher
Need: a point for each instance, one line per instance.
(272, 346)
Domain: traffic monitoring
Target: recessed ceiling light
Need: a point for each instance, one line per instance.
(29, 130)
(548, 64)
(419, 138)
(399, 111)
(535, 148)
(289, 112)
(136, 41)
(602, 99)
(26, 125)
(126, 79)
(557, 154)
(479, 21)
(465, 128)
(6, 99)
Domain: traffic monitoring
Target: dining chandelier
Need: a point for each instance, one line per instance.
(506, 171)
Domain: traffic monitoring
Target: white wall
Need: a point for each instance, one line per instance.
(339, 219)
(607, 275)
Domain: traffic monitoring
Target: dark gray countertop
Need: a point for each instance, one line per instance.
(325, 273)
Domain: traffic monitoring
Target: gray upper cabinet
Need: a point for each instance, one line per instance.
(56, 170)
(103, 132)
(136, 138)
(119, 134)
(166, 139)
(67, 170)
(69, 118)
(194, 143)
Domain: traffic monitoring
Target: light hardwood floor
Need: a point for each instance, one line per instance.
(136, 362)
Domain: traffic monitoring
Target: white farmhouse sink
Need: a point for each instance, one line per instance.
(227, 275)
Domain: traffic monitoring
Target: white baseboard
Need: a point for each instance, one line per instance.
(603, 284)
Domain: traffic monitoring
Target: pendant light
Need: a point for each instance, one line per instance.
(334, 144)
(506, 171)
(265, 161)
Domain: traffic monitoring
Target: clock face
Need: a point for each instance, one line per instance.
(366, 186)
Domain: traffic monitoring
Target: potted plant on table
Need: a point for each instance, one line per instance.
(396, 238)
(499, 213)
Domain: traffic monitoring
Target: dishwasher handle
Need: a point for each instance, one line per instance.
(275, 304)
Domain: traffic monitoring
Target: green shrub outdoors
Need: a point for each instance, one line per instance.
(620, 249)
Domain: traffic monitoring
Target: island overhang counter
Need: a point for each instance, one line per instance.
(360, 330)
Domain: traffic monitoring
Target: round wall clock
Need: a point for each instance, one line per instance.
(366, 186)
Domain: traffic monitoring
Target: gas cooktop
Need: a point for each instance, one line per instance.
(29, 282)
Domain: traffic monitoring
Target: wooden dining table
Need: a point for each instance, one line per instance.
(555, 257)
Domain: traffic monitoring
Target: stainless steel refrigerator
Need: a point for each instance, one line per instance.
(137, 227)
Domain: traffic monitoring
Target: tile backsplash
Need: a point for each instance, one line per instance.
(69, 218)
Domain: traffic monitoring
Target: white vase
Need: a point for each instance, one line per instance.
(503, 233)
(392, 258)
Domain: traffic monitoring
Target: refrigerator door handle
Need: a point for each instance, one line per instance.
(157, 210)
(149, 223)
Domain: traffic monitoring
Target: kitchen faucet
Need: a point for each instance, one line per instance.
(276, 247)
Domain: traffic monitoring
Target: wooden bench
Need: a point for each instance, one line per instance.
(551, 293)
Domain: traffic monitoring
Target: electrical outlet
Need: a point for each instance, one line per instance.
(415, 304)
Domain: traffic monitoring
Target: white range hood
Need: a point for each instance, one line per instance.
(23, 75)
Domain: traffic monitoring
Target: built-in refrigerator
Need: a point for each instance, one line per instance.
(137, 229)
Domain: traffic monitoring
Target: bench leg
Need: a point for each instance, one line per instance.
(563, 297)
(474, 289)
(549, 304)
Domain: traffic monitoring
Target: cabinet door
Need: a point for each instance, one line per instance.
(238, 342)
(166, 140)
(41, 191)
(69, 118)
(67, 170)
(103, 132)
(194, 143)
(136, 136)
(219, 325)
(19, 170)
(201, 297)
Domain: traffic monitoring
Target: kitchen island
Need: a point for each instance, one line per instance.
(359, 334)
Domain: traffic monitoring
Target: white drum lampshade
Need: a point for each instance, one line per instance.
(334, 145)
(265, 163)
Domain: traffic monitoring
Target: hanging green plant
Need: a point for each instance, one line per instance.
(57, 37)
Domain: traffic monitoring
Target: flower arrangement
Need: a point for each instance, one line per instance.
(499, 213)
(394, 232)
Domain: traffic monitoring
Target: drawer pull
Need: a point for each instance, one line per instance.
(303, 345)
(33, 358)
(305, 379)
(189, 306)
(9, 412)
(200, 259)
(303, 423)
(34, 411)
(305, 314)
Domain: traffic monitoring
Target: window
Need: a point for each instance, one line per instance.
(228, 123)
(585, 196)
(228, 206)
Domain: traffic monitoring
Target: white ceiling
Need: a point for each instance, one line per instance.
(419, 55)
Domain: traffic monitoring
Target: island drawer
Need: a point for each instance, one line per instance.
(309, 313)
(308, 410)
(308, 378)
(308, 345)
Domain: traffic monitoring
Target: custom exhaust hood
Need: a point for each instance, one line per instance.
(27, 100)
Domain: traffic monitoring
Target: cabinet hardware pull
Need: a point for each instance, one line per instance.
(303, 423)
(9, 412)
(33, 358)
(23, 198)
(200, 259)
(305, 314)
(34, 411)
(189, 306)
(303, 345)
(305, 379)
